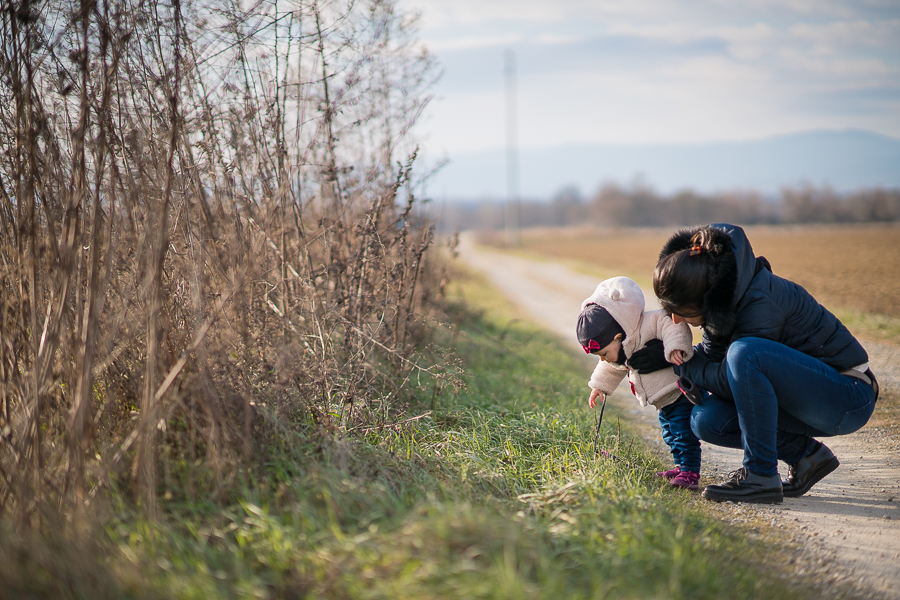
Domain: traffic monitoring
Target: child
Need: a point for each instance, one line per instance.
(613, 325)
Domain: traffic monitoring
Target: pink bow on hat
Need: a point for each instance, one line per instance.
(592, 346)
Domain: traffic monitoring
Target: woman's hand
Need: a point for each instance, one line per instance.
(676, 357)
(592, 401)
(650, 358)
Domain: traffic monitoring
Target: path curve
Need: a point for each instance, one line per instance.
(849, 523)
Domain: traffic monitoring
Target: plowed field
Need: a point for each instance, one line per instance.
(850, 267)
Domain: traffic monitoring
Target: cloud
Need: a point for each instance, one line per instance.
(447, 46)
(447, 14)
(478, 68)
(650, 70)
(856, 34)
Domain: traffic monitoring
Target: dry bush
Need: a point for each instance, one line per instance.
(208, 231)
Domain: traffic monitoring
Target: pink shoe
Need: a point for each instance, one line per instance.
(687, 480)
(670, 474)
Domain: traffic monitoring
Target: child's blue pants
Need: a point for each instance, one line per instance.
(675, 420)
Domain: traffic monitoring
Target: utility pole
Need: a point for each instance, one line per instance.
(512, 152)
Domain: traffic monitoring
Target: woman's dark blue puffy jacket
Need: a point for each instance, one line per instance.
(748, 300)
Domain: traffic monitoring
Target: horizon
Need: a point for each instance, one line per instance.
(750, 140)
(845, 160)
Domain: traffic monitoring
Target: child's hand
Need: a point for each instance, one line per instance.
(592, 401)
(676, 357)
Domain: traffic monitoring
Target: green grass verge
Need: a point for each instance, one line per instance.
(865, 325)
(497, 494)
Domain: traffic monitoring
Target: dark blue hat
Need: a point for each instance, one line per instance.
(596, 325)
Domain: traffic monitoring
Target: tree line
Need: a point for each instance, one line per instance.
(641, 206)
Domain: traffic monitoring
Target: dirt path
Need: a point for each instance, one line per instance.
(849, 523)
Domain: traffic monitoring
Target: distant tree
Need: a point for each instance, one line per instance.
(810, 204)
(567, 206)
(876, 204)
(611, 206)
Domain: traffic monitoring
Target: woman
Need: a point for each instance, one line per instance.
(779, 368)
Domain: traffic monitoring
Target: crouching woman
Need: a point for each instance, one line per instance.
(777, 368)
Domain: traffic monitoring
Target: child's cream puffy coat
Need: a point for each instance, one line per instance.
(624, 300)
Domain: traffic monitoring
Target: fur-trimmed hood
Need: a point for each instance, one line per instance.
(735, 267)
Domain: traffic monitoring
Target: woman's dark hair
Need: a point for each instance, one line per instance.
(681, 279)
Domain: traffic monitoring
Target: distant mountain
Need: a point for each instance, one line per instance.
(846, 160)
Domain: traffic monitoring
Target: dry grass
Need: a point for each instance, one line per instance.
(887, 410)
(855, 268)
(209, 232)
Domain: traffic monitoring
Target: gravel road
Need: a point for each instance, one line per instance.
(846, 529)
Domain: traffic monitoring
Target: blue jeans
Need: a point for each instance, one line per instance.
(675, 420)
(782, 398)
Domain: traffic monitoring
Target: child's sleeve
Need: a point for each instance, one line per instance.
(674, 336)
(606, 377)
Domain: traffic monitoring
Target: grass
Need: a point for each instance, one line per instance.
(497, 494)
(871, 326)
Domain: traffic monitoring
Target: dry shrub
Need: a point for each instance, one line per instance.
(208, 232)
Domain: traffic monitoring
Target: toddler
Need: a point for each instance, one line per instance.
(613, 325)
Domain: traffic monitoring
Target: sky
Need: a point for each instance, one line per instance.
(659, 72)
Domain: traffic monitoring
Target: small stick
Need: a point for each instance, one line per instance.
(597, 435)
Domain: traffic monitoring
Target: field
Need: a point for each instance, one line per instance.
(856, 268)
